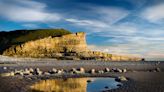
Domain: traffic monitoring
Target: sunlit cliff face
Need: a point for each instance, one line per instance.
(61, 85)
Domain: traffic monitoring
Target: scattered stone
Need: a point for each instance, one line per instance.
(4, 68)
(117, 70)
(88, 81)
(82, 70)
(37, 71)
(106, 87)
(60, 71)
(107, 70)
(93, 71)
(54, 70)
(19, 73)
(157, 69)
(124, 70)
(31, 70)
(7, 74)
(101, 71)
(119, 85)
(47, 73)
(121, 78)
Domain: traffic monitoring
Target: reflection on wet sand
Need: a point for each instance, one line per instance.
(61, 85)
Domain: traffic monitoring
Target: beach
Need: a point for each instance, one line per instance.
(141, 76)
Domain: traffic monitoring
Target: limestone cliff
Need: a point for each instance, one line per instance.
(69, 46)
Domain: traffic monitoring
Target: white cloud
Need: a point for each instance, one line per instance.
(111, 15)
(90, 23)
(154, 13)
(27, 11)
(31, 25)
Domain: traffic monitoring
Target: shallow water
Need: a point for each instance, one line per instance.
(75, 85)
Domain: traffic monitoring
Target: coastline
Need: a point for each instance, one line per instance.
(140, 78)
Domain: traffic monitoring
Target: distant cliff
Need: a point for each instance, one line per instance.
(64, 47)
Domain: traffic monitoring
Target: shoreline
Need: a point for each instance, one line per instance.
(140, 78)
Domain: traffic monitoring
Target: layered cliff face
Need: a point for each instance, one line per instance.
(65, 47)
(50, 46)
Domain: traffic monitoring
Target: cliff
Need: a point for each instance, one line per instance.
(63, 47)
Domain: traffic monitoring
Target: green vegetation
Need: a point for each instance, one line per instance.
(20, 36)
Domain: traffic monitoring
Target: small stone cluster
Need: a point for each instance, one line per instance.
(81, 70)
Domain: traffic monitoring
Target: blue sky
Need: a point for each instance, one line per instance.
(126, 27)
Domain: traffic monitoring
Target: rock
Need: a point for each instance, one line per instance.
(121, 78)
(54, 70)
(7, 74)
(116, 70)
(31, 70)
(47, 73)
(107, 70)
(106, 87)
(88, 81)
(19, 73)
(37, 71)
(60, 72)
(4, 68)
(82, 70)
(124, 70)
(119, 85)
(101, 71)
(157, 69)
(27, 72)
(93, 71)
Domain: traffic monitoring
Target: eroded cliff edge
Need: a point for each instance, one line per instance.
(65, 47)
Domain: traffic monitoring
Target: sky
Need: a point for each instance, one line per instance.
(124, 27)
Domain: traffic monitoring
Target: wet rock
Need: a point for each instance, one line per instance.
(60, 71)
(88, 81)
(107, 70)
(37, 71)
(100, 71)
(121, 78)
(93, 71)
(31, 70)
(117, 70)
(157, 69)
(106, 87)
(27, 72)
(124, 70)
(19, 73)
(119, 85)
(47, 73)
(53, 71)
(82, 70)
(4, 68)
(7, 74)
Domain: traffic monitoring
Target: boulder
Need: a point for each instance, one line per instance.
(157, 69)
(124, 70)
(107, 70)
(4, 68)
(121, 78)
(100, 71)
(82, 70)
(93, 71)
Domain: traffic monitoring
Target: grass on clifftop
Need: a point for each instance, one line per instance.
(21, 36)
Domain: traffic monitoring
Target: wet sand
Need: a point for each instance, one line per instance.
(141, 79)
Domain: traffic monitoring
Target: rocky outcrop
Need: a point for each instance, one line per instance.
(66, 47)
